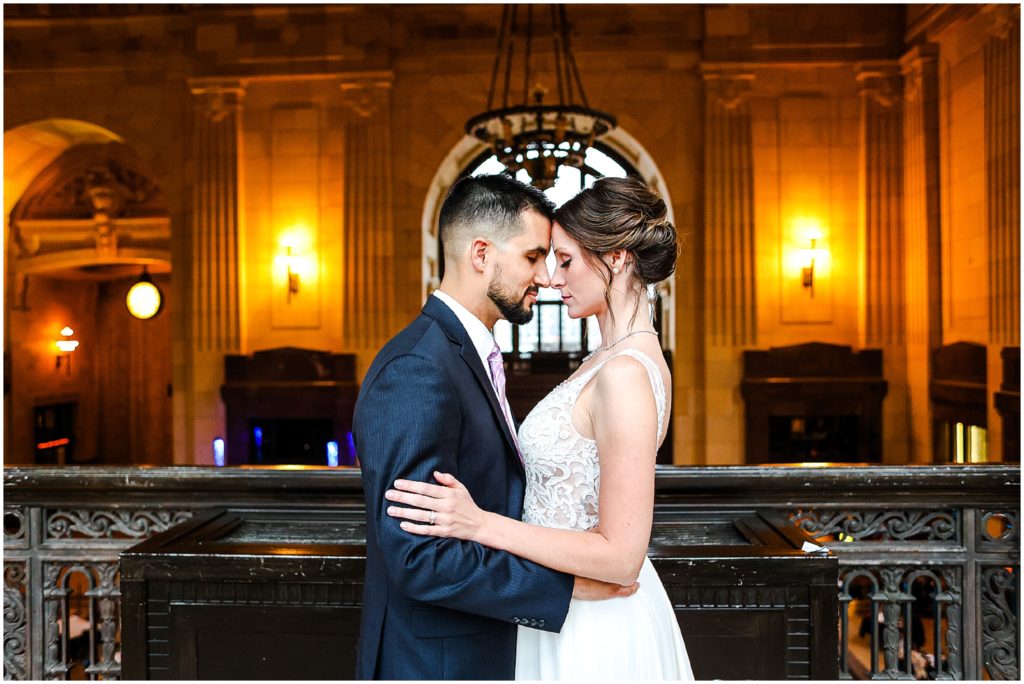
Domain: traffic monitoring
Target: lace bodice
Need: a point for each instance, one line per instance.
(563, 475)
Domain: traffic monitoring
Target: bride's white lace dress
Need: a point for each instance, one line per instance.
(622, 638)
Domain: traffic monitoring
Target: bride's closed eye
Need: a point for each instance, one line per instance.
(565, 264)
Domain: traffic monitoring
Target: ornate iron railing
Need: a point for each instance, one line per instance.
(929, 555)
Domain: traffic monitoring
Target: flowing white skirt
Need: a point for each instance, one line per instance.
(622, 638)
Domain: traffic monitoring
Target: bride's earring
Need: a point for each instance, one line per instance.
(615, 270)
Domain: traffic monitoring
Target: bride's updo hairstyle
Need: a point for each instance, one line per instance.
(622, 213)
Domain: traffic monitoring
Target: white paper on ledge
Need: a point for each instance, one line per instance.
(808, 547)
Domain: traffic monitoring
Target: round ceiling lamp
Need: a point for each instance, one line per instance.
(144, 299)
(530, 134)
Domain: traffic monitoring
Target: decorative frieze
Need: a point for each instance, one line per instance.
(878, 525)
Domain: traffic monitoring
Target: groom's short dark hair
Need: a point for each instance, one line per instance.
(491, 206)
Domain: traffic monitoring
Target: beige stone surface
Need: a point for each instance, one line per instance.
(368, 194)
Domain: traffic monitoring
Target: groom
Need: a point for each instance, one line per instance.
(433, 400)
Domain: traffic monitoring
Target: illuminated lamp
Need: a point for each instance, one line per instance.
(144, 299)
(66, 345)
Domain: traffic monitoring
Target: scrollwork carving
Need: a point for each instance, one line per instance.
(999, 622)
(15, 526)
(887, 525)
(728, 89)
(15, 621)
(954, 628)
(111, 524)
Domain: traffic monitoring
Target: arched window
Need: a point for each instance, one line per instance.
(551, 329)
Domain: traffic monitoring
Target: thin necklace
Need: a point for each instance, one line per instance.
(609, 346)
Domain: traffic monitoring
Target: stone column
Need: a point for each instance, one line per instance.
(882, 324)
(1002, 185)
(368, 297)
(730, 322)
(922, 236)
(213, 231)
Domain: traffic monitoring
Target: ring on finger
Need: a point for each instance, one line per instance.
(433, 517)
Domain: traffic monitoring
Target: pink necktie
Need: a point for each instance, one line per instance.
(498, 375)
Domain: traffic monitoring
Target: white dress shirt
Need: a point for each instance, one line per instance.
(483, 342)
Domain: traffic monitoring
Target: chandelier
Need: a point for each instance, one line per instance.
(531, 135)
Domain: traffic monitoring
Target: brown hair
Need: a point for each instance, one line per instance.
(622, 213)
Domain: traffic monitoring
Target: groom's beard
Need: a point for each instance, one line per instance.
(512, 307)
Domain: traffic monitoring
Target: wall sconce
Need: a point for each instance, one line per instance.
(144, 299)
(293, 276)
(809, 256)
(808, 269)
(66, 345)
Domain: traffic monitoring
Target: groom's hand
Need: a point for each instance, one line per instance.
(587, 589)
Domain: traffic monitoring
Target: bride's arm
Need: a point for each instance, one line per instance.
(624, 418)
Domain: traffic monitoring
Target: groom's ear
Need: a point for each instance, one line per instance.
(481, 252)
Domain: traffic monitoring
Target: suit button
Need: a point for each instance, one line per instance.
(533, 623)
(540, 623)
(515, 620)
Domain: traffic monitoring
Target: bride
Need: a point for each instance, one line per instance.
(589, 450)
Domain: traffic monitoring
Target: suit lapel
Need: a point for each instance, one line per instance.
(452, 327)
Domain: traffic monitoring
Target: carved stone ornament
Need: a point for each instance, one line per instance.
(366, 98)
(728, 88)
(217, 99)
(998, 19)
(883, 84)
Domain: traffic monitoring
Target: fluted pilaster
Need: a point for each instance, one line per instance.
(1002, 157)
(369, 296)
(214, 216)
(728, 210)
(881, 190)
(921, 195)
(922, 232)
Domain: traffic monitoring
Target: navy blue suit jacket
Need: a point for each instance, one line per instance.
(438, 608)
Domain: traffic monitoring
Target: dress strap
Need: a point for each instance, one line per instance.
(657, 383)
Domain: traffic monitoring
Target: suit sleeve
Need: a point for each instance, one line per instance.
(406, 428)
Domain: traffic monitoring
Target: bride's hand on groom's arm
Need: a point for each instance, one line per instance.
(586, 589)
(436, 510)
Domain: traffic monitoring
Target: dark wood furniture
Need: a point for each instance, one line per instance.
(958, 395)
(813, 402)
(284, 405)
(245, 593)
(1007, 402)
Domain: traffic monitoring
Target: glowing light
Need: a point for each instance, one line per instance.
(143, 300)
(353, 459)
(67, 345)
(332, 454)
(218, 452)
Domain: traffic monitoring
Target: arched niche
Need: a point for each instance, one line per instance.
(83, 215)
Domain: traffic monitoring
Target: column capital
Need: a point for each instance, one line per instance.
(217, 97)
(918, 57)
(998, 20)
(366, 94)
(880, 80)
(914, 64)
(725, 85)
